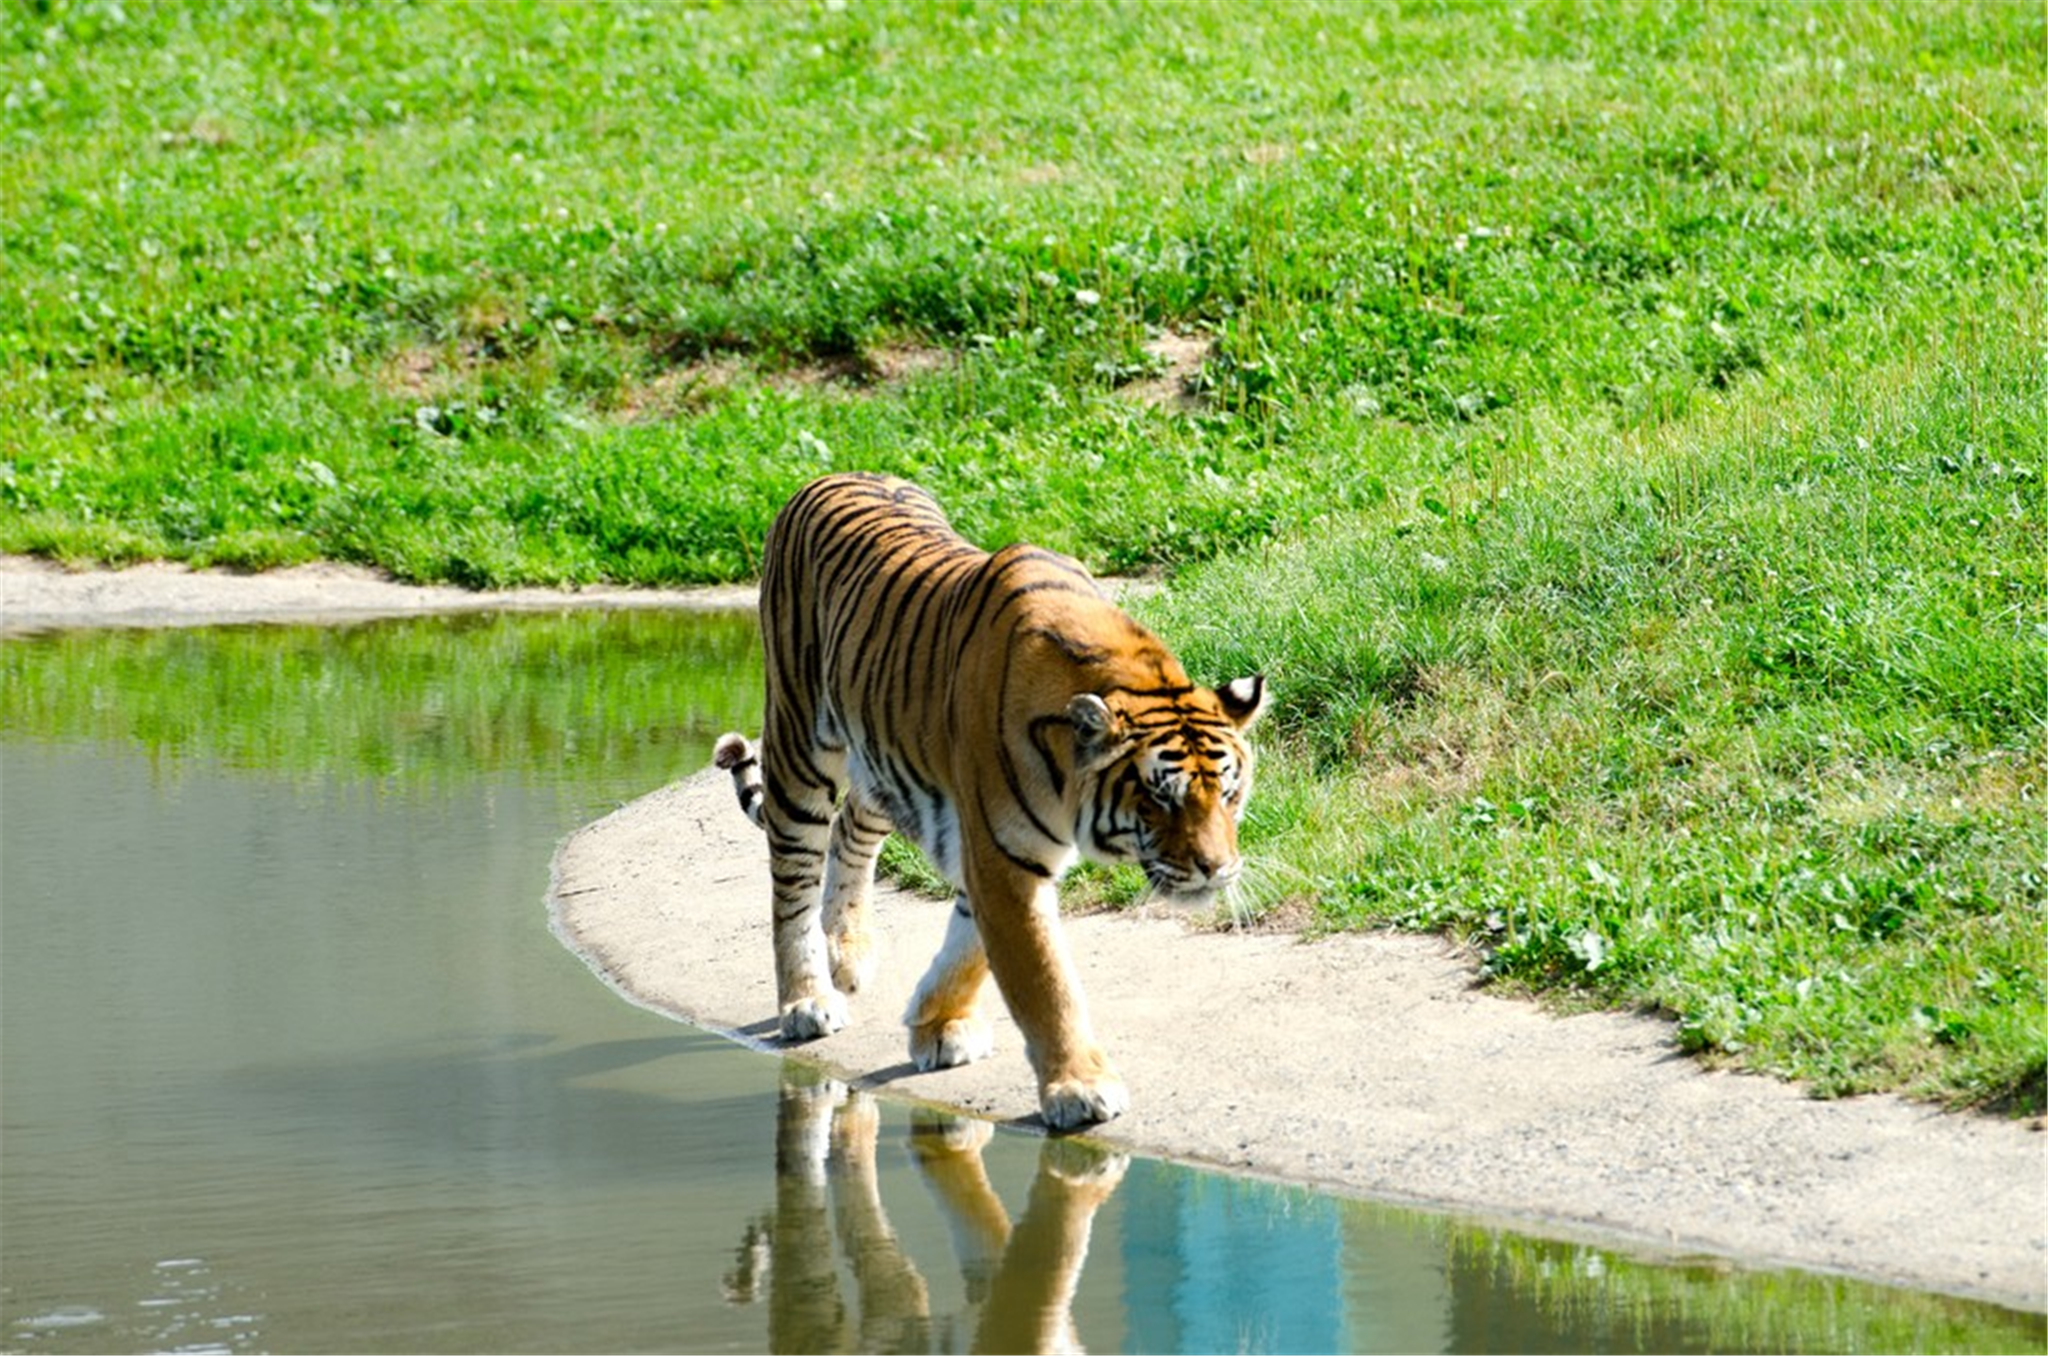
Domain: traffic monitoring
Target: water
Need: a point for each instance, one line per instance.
(289, 1060)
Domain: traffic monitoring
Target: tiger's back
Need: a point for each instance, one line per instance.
(994, 708)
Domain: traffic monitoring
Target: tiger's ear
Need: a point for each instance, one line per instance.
(1243, 699)
(1095, 725)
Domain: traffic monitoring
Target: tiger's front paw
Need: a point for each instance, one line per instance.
(948, 1045)
(818, 1015)
(1070, 1103)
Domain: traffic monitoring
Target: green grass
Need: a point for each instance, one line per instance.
(530, 293)
(1741, 721)
(1616, 428)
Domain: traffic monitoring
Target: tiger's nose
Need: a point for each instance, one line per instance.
(1215, 873)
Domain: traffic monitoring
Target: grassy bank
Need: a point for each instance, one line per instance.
(1741, 720)
(1617, 429)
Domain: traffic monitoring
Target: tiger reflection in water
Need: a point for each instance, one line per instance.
(1019, 1280)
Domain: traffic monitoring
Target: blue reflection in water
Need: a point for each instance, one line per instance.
(1186, 1242)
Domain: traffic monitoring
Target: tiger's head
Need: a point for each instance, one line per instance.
(1163, 781)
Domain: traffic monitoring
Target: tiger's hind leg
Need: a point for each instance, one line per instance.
(947, 1026)
(857, 833)
(797, 812)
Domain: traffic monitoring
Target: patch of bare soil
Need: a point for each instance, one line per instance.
(1173, 386)
(689, 384)
(868, 370)
(430, 372)
(415, 371)
(902, 362)
(676, 390)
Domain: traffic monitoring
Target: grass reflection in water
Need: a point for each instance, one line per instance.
(624, 699)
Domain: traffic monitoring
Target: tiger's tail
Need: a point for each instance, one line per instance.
(735, 753)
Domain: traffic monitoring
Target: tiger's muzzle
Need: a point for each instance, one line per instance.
(1195, 885)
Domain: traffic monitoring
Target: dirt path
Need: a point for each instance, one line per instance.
(36, 595)
(1366, 1063)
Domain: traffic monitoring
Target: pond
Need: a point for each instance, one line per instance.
(292, 1062)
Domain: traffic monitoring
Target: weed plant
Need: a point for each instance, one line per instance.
(1616, 428)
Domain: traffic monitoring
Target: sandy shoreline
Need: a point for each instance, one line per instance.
(1369, 1064)
(36, 595)
(1366, 1063)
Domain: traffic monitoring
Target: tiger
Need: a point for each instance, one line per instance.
(997, 710)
